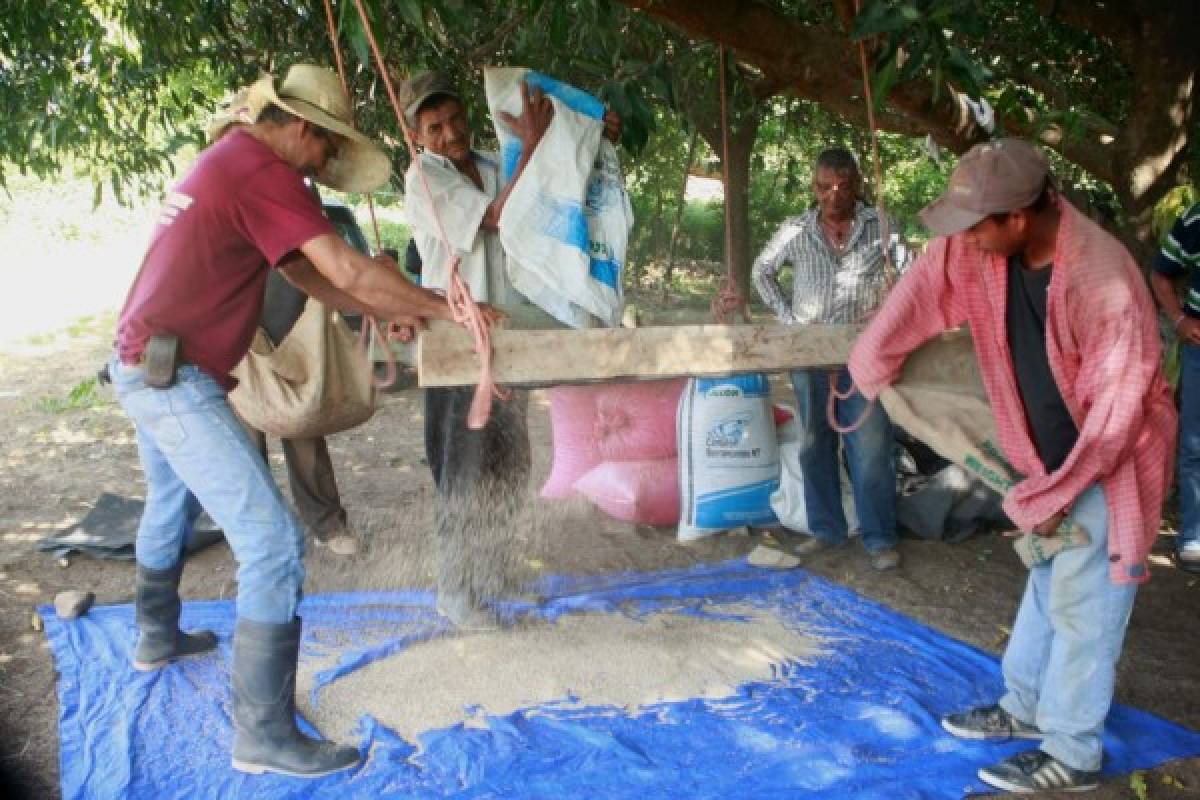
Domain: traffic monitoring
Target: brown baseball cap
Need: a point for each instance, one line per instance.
(419, 88)
(991, 178)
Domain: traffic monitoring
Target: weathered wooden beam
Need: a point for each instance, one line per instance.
(446, 354)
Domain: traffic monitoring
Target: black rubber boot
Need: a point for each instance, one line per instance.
(159, 639)
(264, 707)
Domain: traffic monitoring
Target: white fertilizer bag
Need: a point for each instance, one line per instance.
(728, 455)
(788, 500)
(565, 226)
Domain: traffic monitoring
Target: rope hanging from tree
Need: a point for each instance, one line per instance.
(728, 300)
(371, 327)
(890, 273)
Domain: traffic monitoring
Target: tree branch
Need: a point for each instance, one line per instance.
(488, 48)
(1115, 21)
(819, 63)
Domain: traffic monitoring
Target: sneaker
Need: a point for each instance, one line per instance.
(813, 545)
(1035, 771)
(989, 722)
(888, 558)
(1188, 555)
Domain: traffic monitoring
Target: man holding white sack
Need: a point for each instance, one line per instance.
(456, 193)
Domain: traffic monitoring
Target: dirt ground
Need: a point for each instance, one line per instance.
(59, 454)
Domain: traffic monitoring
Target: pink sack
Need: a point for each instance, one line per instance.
(635, 491)
(610, 422)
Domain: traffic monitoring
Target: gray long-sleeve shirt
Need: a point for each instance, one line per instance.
(827, 287)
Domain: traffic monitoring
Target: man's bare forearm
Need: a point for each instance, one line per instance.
(1165, 292)
(304, 276)
(491, 217)
(395, 297)
(374, 285)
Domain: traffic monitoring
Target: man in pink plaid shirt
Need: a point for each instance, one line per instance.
(1067, 341)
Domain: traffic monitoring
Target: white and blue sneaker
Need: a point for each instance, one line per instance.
(1036, 771)
(989, 722)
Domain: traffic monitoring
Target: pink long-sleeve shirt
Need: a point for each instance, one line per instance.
(1104, 352)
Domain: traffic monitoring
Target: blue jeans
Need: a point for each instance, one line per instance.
(196, 453)
(1189, 445)
(870, 456)
(1060, 664)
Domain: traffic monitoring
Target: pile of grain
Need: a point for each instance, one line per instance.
(588, 659)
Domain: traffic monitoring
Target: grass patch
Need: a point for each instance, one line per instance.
(82, 396)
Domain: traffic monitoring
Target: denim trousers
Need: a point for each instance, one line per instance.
(195, 453)
(1189, 445)
(870, 459)
(1060, 663)
(315, 495)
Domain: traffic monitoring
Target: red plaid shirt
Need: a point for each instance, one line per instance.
(1104, 351)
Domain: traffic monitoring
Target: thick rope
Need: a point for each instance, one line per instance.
(890, 272)
(831, 407)
(458, 295)
(728, 300)
(370, 324)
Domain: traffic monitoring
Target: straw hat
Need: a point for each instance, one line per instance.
(314, 94)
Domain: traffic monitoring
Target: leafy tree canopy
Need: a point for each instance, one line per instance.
(119, 87)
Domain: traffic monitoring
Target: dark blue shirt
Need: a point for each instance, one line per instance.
(1180, 256)
(1050, 424)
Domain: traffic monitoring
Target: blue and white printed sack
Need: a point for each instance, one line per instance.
(728, 455)
(565, 226)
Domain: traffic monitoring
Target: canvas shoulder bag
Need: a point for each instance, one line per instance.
(315, 382)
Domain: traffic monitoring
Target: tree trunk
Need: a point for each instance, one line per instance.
(680, 204)
(737, 191)
(1155, 141)
(737, 202)
(658, 227)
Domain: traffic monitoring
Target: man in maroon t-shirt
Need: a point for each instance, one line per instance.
(240, 211)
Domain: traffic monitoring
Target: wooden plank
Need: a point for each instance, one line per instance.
(446, 353)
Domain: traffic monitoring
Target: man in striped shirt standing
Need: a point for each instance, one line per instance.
(1178, 259)
(840, 276)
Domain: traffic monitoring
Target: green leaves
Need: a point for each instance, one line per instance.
(413, 12)
(107, 87)
(350, 25)
(884, 17)
(916, 38)
(627, 99)
(1137, 785)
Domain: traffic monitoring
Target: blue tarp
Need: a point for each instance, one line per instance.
(859, 722)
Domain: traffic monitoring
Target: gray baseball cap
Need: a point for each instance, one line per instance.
(991, 178)
(419, 88)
